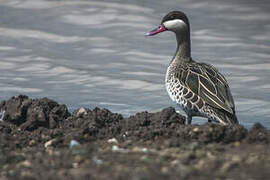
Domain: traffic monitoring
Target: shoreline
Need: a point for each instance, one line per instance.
(40, 139)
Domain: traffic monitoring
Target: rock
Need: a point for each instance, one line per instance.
(138, 149)
(81, 112)
(150, 145)
(73, 143)
(97, 160)
(196, 129)
(113, 140)
(29, 114)
(52, 142)
(2, 115)
(258, 134)
(115, 148)
(165, 170)
(32, 142)
(25, 163)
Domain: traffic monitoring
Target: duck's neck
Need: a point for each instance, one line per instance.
(183, 51)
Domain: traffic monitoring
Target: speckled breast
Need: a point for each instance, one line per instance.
(184, 97)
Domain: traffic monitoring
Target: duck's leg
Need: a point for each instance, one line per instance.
(189, 119)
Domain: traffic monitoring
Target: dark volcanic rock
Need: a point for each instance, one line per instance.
(148, 126)
(209, 133)
(97, 123)
(29, 114)
(144, 146)
(258, 133)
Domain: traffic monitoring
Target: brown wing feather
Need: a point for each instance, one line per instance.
(205, 81)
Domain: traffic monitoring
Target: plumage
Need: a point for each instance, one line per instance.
(199, 88)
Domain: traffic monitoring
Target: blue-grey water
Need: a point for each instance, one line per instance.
(94, 53)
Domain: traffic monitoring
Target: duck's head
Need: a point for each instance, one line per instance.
(175, 21)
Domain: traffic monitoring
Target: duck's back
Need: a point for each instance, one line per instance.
(201, 91)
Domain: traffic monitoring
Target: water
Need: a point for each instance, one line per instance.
(94, 53)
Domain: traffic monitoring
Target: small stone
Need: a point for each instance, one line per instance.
(226, 166)
(32, 142)
(196, 129)
(49, 143)
(115, 148)
(145, 150)
(210, 155)
(136, 149)
(26, 163)
(97, 160)
(252, 159)
(2, 115)
(86, 136)
(175, 162)
(75, 165)
(236, 158)
(125, 134)
(164, 170)
(237, 144)
(82, 111)
(113, 140)
(200, 165)
(144, 158)
(52, 142)
(73, 143)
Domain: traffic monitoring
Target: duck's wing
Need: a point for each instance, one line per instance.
(205, 81)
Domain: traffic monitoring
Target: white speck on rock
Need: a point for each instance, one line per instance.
(115, 148)
(73, 143)
(2, 115)
(113, 140)
(82, 111)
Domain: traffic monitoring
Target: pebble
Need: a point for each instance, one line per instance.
(210, 155)
(164, 170)
(82, 111)
(26, 163)
(236, 158)
(125, 134)
(201, 164)
(196, 129)
(97, 161)
(252, 159)
(50, 143)
(115, 148)
(145, 150)
(75, 165)
(144, 158)
(138, 149)
(175, 162)
(113, 140)
(2, 115)
(73, 143)
(237, 144)
(32, 142)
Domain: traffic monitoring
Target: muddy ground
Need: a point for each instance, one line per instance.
(40, 139)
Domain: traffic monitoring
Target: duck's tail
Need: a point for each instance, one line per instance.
(225, 118)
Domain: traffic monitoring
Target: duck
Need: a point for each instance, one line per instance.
(198, 88)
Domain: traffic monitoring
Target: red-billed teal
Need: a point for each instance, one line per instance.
(198, 88)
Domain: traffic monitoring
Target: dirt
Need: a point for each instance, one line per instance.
(40, 139)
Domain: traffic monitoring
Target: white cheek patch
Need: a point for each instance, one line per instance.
(175, 24)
